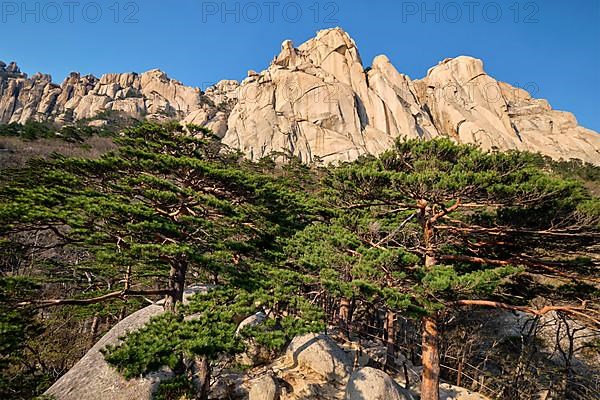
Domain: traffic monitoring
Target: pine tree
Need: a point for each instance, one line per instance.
(167, 205)
(423, 228)
(476, 222)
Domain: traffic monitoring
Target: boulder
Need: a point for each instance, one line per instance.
(319, 353)
(451, 392)
(264, 388)
(373, 384)
(91, 378)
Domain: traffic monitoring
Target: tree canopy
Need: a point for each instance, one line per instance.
(422, 229)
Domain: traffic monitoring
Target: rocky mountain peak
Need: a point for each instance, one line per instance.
(11, 70)
(317, 100)
(151, 94)
(462, 69)
(330, 41)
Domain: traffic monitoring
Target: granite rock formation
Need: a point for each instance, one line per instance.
(151, 95)
(317, 101)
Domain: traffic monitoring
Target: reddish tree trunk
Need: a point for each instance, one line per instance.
(430, 382)
(201, 379)
(431, 360)
(390, 359)
(94, 328)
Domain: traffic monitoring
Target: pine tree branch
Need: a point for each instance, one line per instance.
(395, 231)
(122, 294)
(384, 203)
(445, 212)
(550, 267)
(578, 233)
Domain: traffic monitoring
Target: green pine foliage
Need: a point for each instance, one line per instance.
(415, 230)
(490, 217)
(33, 130)
(177, 388)
(166, 208)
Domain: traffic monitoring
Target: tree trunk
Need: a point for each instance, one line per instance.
(122, 313)
(201, 378)
(176, 285)
(459, 371)
(425, 220)
(390, 327)
(345, 316)
(406, 376)
(94, 328)
(430, 381)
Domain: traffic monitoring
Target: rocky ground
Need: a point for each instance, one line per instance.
(319, 367)
(314, 366)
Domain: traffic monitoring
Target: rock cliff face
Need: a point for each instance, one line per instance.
(318, 100)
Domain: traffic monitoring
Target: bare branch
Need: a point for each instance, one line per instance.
(572, 310)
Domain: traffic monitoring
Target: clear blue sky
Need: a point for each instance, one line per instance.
(550, 46)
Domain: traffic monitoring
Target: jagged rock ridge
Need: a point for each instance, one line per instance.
(318, 100)
(150, 95)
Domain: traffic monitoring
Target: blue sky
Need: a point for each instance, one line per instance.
(550, 47)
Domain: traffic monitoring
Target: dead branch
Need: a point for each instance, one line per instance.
(572, 310)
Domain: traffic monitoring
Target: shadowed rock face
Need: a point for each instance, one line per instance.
(318, 100)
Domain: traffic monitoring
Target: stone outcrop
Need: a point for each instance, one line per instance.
(93, 379)
(251, 321)
(317, 101)
(219, 100)
(470, 106)
(313, 367)
(254, 354)
(264, 388)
